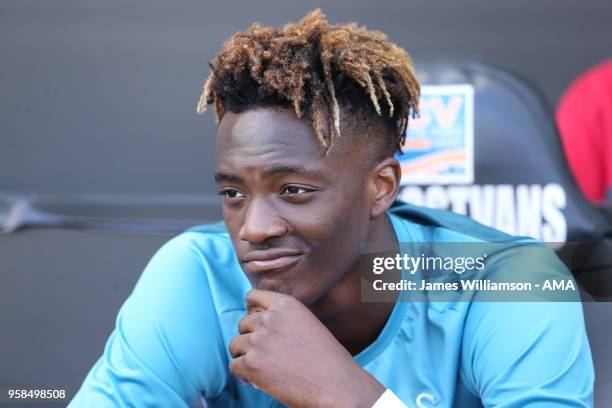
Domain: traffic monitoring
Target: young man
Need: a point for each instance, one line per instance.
(266, 309)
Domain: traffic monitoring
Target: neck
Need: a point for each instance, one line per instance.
(354, 323)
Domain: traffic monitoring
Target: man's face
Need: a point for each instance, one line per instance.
(297, 217)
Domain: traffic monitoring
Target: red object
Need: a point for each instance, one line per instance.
(584, 118)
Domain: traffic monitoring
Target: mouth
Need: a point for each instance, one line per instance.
(258, 262)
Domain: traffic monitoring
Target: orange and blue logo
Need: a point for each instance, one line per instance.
(439, 145)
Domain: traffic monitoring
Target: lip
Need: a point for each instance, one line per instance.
(270, 260)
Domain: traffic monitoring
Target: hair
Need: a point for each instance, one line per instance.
(321, 71)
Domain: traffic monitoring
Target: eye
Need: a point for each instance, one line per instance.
(295, 190)
(231, 193)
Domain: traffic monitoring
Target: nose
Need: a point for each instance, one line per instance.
(262, 222)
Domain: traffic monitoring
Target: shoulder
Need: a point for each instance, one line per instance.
(540, 347)
(434, 225)
(200, 259)
(499, 258)
(206, 241)
(446, 231)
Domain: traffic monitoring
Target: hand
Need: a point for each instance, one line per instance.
(284, 350)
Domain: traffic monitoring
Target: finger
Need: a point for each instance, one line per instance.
(236, 367)
(262, 298)
(254, 309)
(242, 367)
(248, 323)
(239, 345)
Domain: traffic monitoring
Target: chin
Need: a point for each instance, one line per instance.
(274, 285)
(269, 285)
(278, 286)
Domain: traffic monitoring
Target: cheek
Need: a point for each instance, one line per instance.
(336, 245)
(232, 222)
(337, 238)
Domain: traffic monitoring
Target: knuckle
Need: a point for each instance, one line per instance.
(250, 294)
(232, 348)
(286, 302)
(268, 318)
(249, 361)
(234, 367)
(255, 339)
(242, 325)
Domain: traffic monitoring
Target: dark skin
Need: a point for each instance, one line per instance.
(298, 220)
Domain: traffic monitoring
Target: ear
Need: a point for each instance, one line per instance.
(385, 184)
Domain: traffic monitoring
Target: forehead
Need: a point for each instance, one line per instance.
(258, 139)
(266, 134)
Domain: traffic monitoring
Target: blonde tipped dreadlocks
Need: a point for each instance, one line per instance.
(316, 68)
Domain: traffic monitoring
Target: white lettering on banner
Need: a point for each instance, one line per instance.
(553, 198)
(529, 206)
(459, 199)
(436, 197)
(532, 210)
(482, 204)
(505, 218)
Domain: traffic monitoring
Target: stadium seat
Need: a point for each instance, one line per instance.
(486, 145)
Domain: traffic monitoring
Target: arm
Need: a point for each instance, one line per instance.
(166, 347)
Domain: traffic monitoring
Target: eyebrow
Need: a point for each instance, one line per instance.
(274, 170)
(280, 169)
(231, 178)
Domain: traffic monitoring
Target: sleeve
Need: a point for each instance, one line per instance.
(167, 348)
(527, 354)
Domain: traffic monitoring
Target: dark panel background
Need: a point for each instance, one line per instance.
(109, 88)
(100, 97)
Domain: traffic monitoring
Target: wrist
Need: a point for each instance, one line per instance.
(362, 390)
